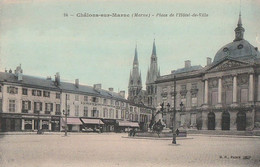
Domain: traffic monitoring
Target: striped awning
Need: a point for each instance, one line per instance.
(92, 121)
(72, 121)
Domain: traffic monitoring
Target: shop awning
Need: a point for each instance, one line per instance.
(72, 121)
(128, 124)
(92, 121)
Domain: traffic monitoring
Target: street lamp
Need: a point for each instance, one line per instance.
(66, 113)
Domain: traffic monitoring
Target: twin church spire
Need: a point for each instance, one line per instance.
(135, 79)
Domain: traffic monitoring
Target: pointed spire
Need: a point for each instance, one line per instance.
(154, 48)
(239, 30)
(239, 23)
(136, 56)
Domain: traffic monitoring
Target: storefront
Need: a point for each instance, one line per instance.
(123, 126)
(110, 125)
(94, 124)
(55, 124)
(10, 122)
(74, 124)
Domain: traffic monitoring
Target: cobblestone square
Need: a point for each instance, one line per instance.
(119, 150)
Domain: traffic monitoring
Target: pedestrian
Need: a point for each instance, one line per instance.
(177, 132)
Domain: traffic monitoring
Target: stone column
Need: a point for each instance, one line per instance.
(219, 90)
(258, 91)
(40, 124)
(22, 124)
(49, 125)
(251, 88)
(218, 118)
(206, 92)
(235, 89)
(33, 124)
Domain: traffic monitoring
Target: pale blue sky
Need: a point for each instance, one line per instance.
(101, 50)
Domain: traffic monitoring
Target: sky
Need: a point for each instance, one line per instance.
(37, 35)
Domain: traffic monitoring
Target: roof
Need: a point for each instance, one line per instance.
(32, 81)
(187, 69)
(27, 80)
(241, 50)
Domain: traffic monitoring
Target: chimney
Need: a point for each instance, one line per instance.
(57, 78)
(19, 73)
(122, 93)
(208, 61)
(187, 64)
(77, 83)
(111, 89)
(97, 86)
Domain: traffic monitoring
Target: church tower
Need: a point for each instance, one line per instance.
(135, 81)
(152, 74)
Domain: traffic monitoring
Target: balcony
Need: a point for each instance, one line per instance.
(47, 112)
(58, 113)
(36, 112)
(24, 111)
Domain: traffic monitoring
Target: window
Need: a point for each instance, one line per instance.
(122, 114)
(194, 100)
(12, 90)
(48, 107)
(25, 91)
(76, 111)
(95, 112)
(182, 120)
(85, 110)
(77, 97)
(26, 105)
(193, 119)
(58, 108)
(37, 106)
(104, 101)
(229, 97)
(0, 88)
(111, 113)
(46, 94)
(244, 95)
(36, 93)
(39, 93)
(214, 98)
(85, 98)
(122, 104)
(11, 105)
(68, 96)
(105, 113)
(68, 109)
(116, 113)
(94, 99)
(111, 102)
(57, 95)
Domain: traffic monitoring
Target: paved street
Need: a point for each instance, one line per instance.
(119, 150)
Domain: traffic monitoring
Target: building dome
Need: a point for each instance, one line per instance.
(239, 48)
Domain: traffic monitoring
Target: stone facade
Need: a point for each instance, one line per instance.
(29, 103)
(223, 95)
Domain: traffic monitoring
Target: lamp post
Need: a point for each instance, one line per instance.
(65, 112)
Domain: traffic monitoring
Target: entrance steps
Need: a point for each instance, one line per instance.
(225, 132)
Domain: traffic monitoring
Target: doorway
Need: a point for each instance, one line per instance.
(211, 121)
(225, 123)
